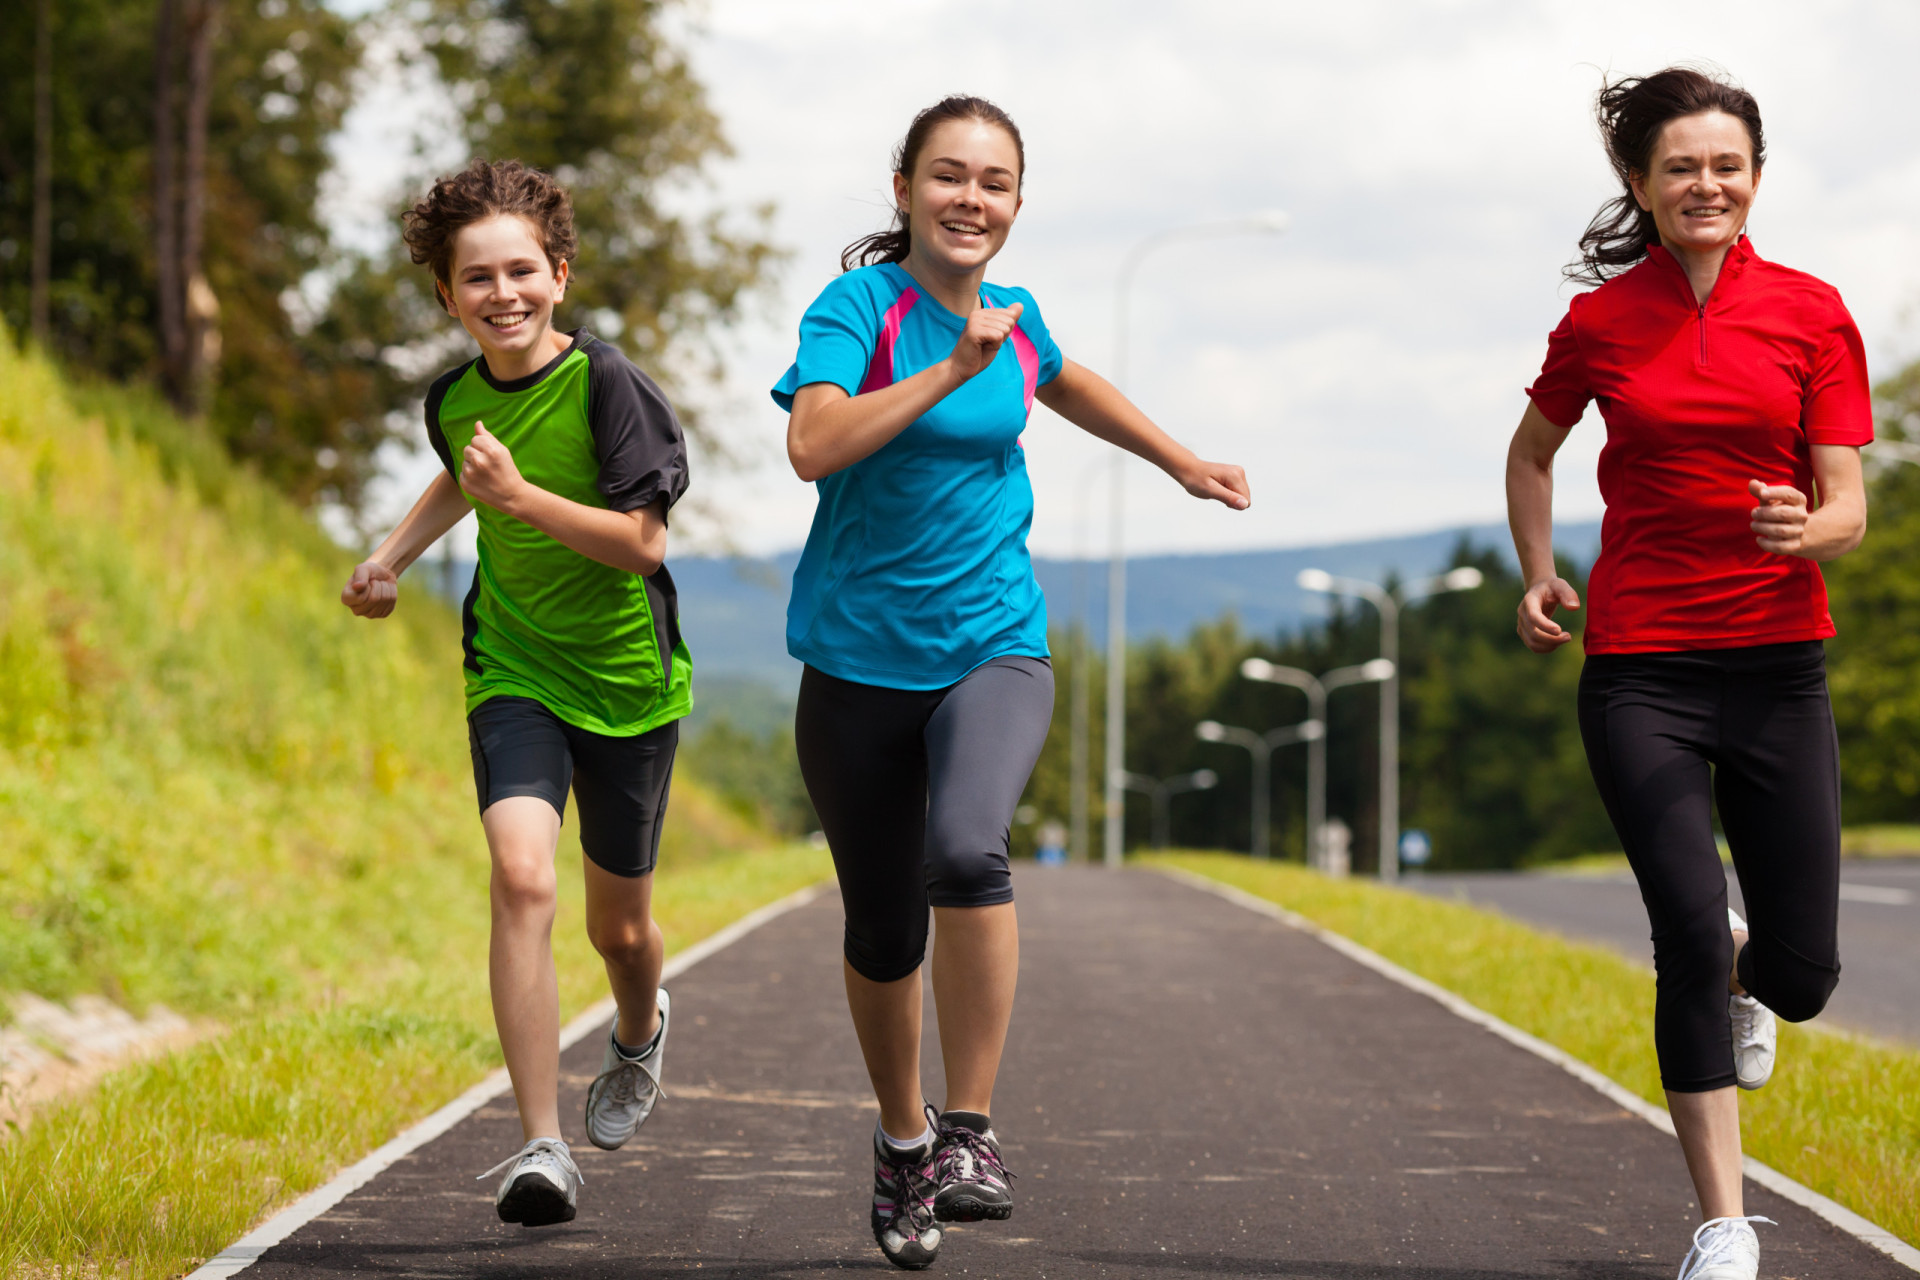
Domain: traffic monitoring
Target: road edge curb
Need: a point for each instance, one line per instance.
(1831, 1211)
(247, 1250)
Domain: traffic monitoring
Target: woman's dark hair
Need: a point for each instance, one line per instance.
(892, 244)
(485, 190)
(1632, 111)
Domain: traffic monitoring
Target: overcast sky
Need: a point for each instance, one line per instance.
(1438, 160)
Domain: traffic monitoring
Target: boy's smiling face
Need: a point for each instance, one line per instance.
(503, 291)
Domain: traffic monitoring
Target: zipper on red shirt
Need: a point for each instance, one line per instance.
(1703, 335)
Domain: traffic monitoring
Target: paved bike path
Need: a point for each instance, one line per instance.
(1190, 1089)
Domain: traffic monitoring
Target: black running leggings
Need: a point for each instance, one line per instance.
(916, 790)
(1667, 736)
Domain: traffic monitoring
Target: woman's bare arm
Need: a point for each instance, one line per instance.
(1096, 406)
(1783, 525)
(1530, 516)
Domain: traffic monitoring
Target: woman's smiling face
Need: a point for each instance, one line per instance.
(1700, 181)
(962, 196)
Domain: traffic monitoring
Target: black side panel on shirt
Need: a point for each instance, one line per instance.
(664, 600)
(468, 626)
(637, 438)
(436, 394)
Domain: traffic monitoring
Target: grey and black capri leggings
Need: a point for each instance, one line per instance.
(1667, 735)
(916, 789)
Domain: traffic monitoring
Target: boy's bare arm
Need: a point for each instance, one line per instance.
(374, 588)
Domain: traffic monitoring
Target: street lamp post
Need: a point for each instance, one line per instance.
(1389, 603)
(1271, 222)
(1316, 688)
(1082, 687)
(1261, 746)
(1162, 791)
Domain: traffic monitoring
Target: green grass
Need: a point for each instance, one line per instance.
(1587, 864)
(221, 791)
(167, 1163)
(1840, 1115)
(1887, 841)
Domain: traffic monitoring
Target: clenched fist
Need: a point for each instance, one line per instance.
(372, 591)
(487, 470)
(1779, 523)
(986, 329)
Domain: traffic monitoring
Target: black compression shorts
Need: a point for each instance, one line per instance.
(522, 749)
(1671, 737)
(916, 789)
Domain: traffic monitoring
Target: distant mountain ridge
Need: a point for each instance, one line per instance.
(733, 609)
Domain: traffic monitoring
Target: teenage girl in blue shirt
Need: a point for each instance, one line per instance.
(927, 690)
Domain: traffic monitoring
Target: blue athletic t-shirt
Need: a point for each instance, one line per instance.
(916, 569)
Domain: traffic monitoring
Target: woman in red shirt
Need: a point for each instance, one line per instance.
(1732, 389)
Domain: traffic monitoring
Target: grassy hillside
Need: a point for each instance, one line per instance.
(220, 790)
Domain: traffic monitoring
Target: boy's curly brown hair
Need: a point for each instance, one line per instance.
(486, 189)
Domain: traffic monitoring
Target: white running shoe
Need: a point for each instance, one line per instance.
(623, 1095)
(1724, 1249)
(541, 1185)
(1755, 1033)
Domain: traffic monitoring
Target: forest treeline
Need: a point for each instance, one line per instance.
(162, 167)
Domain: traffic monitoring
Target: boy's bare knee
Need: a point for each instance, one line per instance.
(524, 884)
(622, 942)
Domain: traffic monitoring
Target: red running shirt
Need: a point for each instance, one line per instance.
(1698, 401)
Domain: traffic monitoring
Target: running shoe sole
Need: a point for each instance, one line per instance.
(965, 1208)
(532, 1201)
(909, 1262)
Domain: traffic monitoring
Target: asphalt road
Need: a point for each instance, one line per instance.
(1879, 991)
(1191, 1089)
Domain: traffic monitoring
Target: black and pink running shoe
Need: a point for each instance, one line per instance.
(903, 1221)
(972, 1179)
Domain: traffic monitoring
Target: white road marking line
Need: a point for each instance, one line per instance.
(1772, 1179)
(246, 1251)
(1886, 897)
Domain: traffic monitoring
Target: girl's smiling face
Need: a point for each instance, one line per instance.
(503, 291)
(962, 196)
(1700, 182)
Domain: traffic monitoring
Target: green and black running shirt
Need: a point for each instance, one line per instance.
(597, 646)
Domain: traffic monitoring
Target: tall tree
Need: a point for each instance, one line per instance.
(271, 83)
(594, 90)
(169, 289)
(169, 281)
(188, 311)
(42, 169)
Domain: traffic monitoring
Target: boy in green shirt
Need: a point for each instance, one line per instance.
(576, 675)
